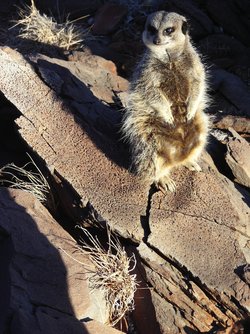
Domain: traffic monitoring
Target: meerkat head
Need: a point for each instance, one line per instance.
(165, 33)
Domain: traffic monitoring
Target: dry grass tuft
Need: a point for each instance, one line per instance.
(44, 29)
(32, 182)
(112, 274)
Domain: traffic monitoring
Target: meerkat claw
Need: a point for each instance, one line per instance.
(165, 185)
(193, 166)
(170, 184)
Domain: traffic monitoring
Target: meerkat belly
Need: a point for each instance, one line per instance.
(178, 143)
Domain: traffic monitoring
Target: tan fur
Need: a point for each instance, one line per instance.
(165, 123)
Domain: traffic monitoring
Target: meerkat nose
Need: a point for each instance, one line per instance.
(157, 41)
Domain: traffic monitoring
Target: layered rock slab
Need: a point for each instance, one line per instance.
(43, 289)
(204, 229)
(80, 154)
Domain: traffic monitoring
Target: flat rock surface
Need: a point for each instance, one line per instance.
(42, 287)
(80, 154)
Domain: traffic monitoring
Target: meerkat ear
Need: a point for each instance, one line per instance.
(184, 27)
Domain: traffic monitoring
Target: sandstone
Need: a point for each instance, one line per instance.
(95, 327)
(238, 158)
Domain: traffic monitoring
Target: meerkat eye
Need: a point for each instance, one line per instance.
(152, 30)
(168, 31)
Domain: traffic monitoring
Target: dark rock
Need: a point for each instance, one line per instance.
(63, 8)
(221, 47)
(234, 19)
(6, 6)
(108, 18)
(233, 89)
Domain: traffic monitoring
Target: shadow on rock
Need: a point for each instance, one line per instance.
(33, 277)
(100, 122)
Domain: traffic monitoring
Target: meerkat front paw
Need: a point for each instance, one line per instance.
(193, 166)
(190, 113)
(165, 184)
(169, 117)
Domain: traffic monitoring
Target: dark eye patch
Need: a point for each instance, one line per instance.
(152, 30)
(168, 31)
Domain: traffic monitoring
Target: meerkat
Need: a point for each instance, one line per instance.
(165, 123)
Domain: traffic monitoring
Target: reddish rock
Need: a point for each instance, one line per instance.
(96, 73)
(239, 124)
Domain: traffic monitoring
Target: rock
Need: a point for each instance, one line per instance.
(42, 287)
(221, 47)
(232, 18)
(95, 72)
(95, 327)
(143, 315)
(7, 6)
(75, 149)
(107, 18)
(239, 124)
(178, 300)
(237, 157)
(237, 328)
(233, 89)
(204, 228)
(12, 149)
(74, 8)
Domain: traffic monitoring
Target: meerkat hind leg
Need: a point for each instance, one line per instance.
(193, 166)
